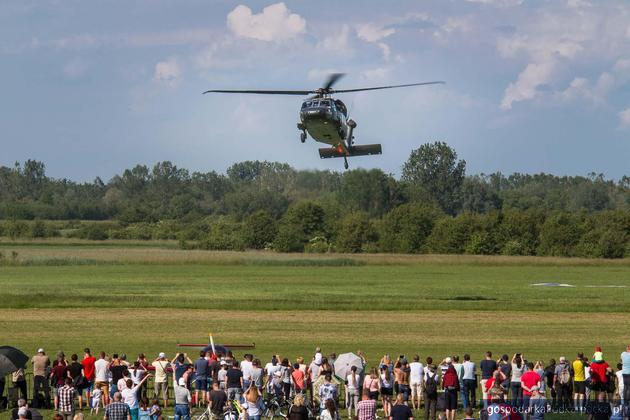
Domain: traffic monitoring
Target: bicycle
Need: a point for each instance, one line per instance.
(230, 412)
(274, 407)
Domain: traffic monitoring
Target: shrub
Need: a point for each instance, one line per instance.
(355, 232)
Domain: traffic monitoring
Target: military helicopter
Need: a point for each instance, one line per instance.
(326, 119)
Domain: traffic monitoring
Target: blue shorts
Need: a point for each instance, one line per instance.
(201, 384)
(89, 386)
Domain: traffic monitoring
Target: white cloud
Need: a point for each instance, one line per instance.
(274, 23)
(167, 72)
(75, 68)
(558, 37)
(624, 117)
(582, 88)
(525, 87)
(373, 33)
(338, 43)
(452, 26)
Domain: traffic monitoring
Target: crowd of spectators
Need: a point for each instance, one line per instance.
(507, 387)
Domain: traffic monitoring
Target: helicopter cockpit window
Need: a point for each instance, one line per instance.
(306, 104)
(324, 103)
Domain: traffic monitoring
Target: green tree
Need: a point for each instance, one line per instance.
(435, 168)
(371, 191)
(519, 231)
(259, 230)
(407, 227)
(477, 196)
(606, 235)
(560, 233)
(452, 235)
(302, 222)
(355, 232)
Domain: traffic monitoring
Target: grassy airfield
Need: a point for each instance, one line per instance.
(139, 297)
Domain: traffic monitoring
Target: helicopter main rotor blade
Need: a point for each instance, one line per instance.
(265, 92)
(386, 87)
(332, 79)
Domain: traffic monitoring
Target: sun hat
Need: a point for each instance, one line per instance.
(448, 360)
(162, 355)
(182, 382)
(40, 350)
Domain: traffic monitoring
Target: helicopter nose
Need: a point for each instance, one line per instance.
(314, 114)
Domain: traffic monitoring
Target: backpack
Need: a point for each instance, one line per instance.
(430, 386)
(450, 380)
(565, 376)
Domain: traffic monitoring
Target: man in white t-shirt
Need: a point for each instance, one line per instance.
(620, 384)
(270, 369)
(469, 382)
(101, 369)
(416, 372)
(246, 368)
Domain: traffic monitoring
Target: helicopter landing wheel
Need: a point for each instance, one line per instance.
(303, 136)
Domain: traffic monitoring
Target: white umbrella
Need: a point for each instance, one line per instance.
(344, 362)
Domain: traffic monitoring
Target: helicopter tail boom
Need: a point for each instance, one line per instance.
(362, 150)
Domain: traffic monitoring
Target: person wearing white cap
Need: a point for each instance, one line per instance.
(562, 383)
(160, 383)
(182, 399)
(450, 384)
(40, 381)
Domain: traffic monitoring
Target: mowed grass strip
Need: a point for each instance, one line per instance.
(363, 288)
(166, 252)
(434, 333)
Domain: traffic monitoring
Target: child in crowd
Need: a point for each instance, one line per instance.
(96, 401)
(156, 411)
(144, 412)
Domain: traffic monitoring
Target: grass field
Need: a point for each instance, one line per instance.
(135, 298)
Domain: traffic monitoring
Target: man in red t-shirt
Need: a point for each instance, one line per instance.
(529, 380)
(88, 372)
(298, 378)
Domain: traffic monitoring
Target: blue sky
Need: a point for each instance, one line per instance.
(92, 88)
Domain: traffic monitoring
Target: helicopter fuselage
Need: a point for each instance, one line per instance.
(326, 121)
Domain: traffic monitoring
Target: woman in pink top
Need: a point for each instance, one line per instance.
(372, 384)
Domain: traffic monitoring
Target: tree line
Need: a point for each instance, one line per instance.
(434, 207)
